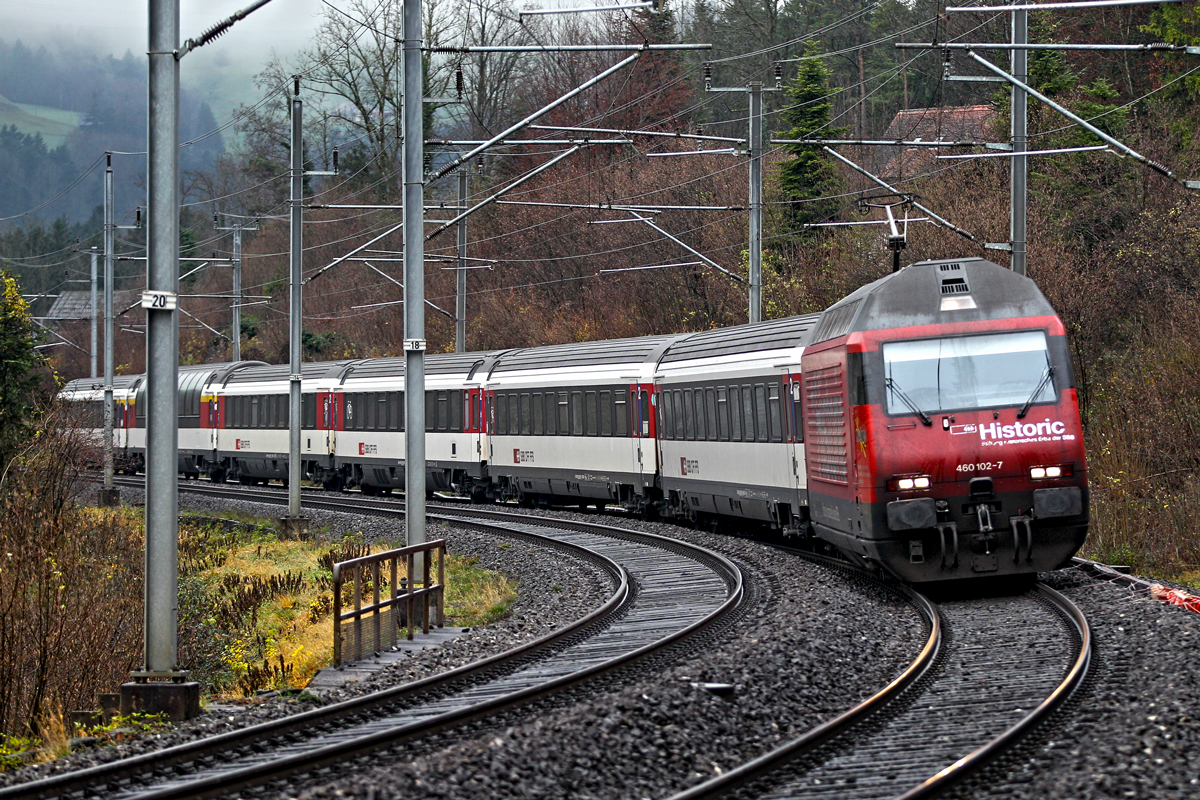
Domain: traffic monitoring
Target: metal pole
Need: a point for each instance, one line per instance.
(1078, 120)
(236, 322)
(755, 201)
(936, 218)
(541, 112)
(162, 345)
(460, 306)
(414, 279)
(296, 308)
(108, 331)
(95, 314)
(1019, 169)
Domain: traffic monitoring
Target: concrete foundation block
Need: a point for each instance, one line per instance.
(175, 701)
(293, 527)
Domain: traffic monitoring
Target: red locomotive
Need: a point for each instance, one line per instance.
(942, 425)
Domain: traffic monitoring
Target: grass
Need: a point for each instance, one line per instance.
(54, 124)
(475, 596)
(55, 740)
(256, 611)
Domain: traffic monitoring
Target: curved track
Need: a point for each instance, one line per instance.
(991, 670)
(665, 592)
(1001, 666)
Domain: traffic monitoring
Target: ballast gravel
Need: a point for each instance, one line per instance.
(811, 645)
(1134, 731)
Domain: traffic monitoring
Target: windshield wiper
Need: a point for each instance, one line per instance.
(891, 384)
(1046, 376)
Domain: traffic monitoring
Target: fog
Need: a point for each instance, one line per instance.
(220, 73)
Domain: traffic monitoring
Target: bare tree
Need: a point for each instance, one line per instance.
(490, 78)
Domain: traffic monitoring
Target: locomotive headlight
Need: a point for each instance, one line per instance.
(1055, 471)
(908, 484)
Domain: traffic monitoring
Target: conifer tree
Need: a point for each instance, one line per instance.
(809, 178)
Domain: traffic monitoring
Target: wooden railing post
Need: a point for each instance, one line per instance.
(375, 604)
(428, 592)
(441, 594)
(337, 615)
(395, 627)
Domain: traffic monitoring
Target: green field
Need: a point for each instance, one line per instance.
(53, 124)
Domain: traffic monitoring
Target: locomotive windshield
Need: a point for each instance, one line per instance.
(966, 372)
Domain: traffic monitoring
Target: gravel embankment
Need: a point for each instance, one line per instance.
(1135, 731)
(811, 646)
(553, 588)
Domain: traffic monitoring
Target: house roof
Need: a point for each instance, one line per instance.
(74, 305)
(956, 123)
(951, 124)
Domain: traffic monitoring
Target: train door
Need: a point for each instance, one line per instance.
(473, 414)
(642, 427)
(210, 411)
(794, 430)
(330, 403)
(489, 422)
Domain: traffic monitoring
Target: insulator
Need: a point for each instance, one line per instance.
(216, 31)
(215, 222)
(335, 160)
(458, 80)
(778, 75)
(707, 75)
(296, 84)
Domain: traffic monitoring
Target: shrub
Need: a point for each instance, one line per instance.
(70, 585)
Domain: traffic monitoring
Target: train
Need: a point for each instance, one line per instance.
(927, 424)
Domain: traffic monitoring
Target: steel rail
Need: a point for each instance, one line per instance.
(821, 735)
(70, 782)
(981, 757)
(121, 775)
(953, 774)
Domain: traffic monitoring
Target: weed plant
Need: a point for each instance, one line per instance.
(1142, 428)
(256, 611)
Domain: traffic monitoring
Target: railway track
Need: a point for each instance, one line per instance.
(979, 685)
(666, 594)
(991, 672)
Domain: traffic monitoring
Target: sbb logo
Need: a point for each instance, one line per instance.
(689, 466)
(522, 456)
(367, 449)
